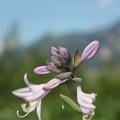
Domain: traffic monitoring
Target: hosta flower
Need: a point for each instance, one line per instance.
(86, 102)
(60, 63)
(34, 94)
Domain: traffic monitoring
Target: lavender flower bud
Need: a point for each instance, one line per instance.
(55, 59)
(41, 70)
(65, 55)
(90, 51)
(53, 50)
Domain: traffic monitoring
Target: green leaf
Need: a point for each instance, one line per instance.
(76, 58)
(70, 102)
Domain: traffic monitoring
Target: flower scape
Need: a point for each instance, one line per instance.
(60, 61)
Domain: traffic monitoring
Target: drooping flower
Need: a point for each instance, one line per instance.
(86, 102)
(34, 94)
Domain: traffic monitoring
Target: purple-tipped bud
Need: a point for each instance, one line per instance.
(64, 54)
(41, 70)
(90, 51)
(53, 51)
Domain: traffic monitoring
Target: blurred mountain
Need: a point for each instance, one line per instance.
(109, 40)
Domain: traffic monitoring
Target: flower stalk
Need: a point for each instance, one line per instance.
(60, 64)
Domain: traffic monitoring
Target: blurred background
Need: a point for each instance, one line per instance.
(28, 28)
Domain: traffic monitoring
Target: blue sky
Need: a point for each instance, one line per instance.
(36, 17)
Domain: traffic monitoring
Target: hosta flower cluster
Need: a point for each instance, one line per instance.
(60, 61)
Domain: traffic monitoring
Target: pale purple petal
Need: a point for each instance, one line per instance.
(53, 51)
(86, 105)
(26, 80)
(86, 111)
(39, 110)
(21, 94)
(85, 99)
(52, 84)
(36, 88)
(91, 96)
(41, 70)
(37, 95)
(22, 90)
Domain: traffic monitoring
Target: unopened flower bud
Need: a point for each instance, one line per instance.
(65, 55)
(64, 76)
(89, 52)
(53, 50)
(55, 59)
(41, 70)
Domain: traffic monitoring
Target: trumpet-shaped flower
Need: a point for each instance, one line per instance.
(34, 94)
(86, 102)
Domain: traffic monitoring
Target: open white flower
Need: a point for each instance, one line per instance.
(34, 94)
(86, 102)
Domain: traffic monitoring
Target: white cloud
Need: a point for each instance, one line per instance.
(105, 3)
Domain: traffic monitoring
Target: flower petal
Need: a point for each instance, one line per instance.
(36, 88)
(52, 84)
(87, 112)
(36, 95)
(41, 70)
(22, 90)
(20, 93)
(86, 105)
(53, 50)
(39, 110)
(26, 80)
